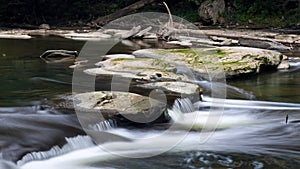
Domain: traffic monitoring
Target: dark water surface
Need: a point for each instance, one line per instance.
(27, 81)
(281, 86)
(22, 71)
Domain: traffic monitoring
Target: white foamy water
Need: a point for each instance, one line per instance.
(237, 130)
(246, 104)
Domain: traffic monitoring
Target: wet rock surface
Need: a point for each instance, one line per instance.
(119, 105)
(234, 61)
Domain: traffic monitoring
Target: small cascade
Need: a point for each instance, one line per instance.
(184, 105)
(180, 107)
(246, 104)
(74, 143)
(104, 125)
(185, 116)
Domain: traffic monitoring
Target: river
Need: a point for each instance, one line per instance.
(251, 133)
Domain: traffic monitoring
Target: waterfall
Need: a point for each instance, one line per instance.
(74, 143)
(83, 153)
(185, 116)
(184, 105)
(104, 125)
(180, 107)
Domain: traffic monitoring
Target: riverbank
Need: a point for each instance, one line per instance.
(252, 40)
(30, 29)
(288, 37)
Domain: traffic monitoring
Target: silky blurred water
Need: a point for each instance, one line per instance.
(27, 82)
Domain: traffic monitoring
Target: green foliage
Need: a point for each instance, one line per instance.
(189, 15)
(67, 12)
(57, 11)
(186, 9)
(272, 13)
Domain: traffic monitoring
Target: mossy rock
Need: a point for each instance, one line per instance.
(145, 69)
(143, 76)
(233, 61)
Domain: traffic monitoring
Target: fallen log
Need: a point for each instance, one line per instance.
(235, 35)
(122, 12)
(264, 44)
(131, 33)
(221, 38)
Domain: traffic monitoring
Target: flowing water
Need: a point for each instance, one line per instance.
(250, 133)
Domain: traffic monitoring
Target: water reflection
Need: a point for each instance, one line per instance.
(273, 86)
(20, 65)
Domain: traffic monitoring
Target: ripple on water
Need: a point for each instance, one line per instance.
(202, 160)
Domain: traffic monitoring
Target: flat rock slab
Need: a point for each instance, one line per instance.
(14, 36)
(144, 69)
(142, 76)
(243, 60)
(115, 56)
(87, 36)
(174, 87)
(234, 61)
(134, 107)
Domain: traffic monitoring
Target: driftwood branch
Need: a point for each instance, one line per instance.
(170, 23)
(166, 30)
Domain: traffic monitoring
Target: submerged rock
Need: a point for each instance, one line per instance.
(59, 55)
(44, 26)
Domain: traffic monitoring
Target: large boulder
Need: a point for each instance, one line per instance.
(210, 10)
(233, 61)
(142, 76)
(239, 61)
(121, 106)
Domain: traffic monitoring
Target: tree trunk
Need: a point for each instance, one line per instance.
(124, 11)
